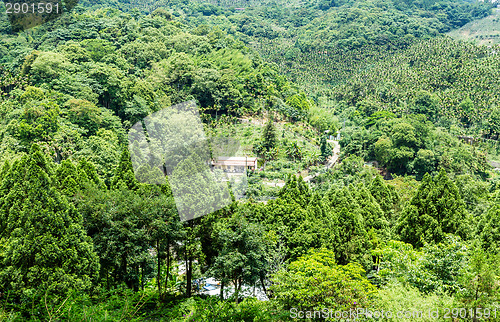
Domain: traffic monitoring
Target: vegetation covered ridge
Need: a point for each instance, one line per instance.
(406, 220)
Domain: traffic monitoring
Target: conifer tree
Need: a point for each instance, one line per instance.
(295, 191)
(352, 242)
(45, 247)
(88, 171)
(318, 229)
(282, 214)
(124, 173)
(241, 257)
(196, 193)
(5, 170)
(435, 210)
(269, 136)
(196, 190)
(338, 198)
(373, 216)
(67, 179)
(385, 196)
(325, 148)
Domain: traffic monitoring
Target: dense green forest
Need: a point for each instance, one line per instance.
(375, 191)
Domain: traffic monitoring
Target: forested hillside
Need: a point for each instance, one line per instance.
(484, 31)
(319, 44)
(403, 220)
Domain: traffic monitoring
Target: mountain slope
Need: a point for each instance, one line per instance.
(485, 31)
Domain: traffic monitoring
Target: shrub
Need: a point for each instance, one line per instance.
(315, 282)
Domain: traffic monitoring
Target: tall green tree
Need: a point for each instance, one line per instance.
(164, 229)
(480, 283)
(436, 210)
(44, 246)
(122, 225)
(373, 215)
(488, 230)
(319, 228)
(241, 257)
(67, 179)
(325, 148)
(124, 173)
(385, 196)
(269, 139)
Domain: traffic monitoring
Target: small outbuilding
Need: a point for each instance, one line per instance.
(235, 164)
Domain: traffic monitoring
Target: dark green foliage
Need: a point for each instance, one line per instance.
(372, 74)
(68, 179)
(373, 215)
(44, 245)
(296, 191)
(123, 225)
(269, 139)
(424, 103)
(435, 210)
(424, 162)
(488, 229)
(318, 229)
(325, 148)
(90, 117)
(89, 173)
(351, 242)
(124, 173)
(413, 145)
(385, 196)
(196, 190)
(241, 252)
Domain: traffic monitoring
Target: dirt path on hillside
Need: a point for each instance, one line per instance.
(331, 161)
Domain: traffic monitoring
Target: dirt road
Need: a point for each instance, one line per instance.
(331, 161)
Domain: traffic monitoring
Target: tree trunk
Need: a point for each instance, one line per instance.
(124, 271)
(237, 287)
(168, 259)
(263, 286)
(189, 276)
(142, 276)
(158, 276)
(474, 319)
(235, 283)
(188, 259)
(167, 273)
(222, 289)
(136, 278)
